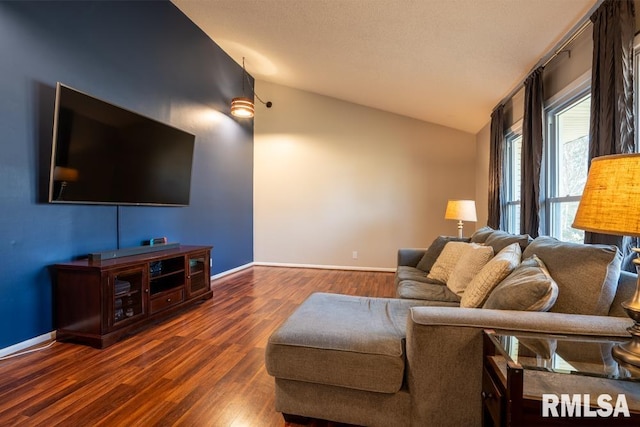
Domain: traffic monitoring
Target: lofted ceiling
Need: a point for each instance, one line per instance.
(443, 61)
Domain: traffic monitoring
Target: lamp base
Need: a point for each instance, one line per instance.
(629, 352)
(460, 225)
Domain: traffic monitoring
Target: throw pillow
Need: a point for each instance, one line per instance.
(529, 288)
(469, 264)
(447, 260)
(481, 235)
(501, 239)
(491, 274)
(434, 250)
(587, 275)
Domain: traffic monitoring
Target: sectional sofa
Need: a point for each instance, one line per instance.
(417, 359)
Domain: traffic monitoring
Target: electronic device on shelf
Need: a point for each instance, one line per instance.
(155, 268)
(121, 286)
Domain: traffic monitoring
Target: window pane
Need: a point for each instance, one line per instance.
(512, 167)
(513, 218)
(568, 147)
(562, 216)
(516, 149)
(572, 148)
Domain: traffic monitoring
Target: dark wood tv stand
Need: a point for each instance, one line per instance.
(98, 302)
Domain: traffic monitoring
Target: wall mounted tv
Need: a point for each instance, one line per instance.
(104, 154)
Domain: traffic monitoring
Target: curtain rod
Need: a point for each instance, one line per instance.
(573, 34)
(561, 49)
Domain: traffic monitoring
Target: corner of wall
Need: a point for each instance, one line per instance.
(483, 138)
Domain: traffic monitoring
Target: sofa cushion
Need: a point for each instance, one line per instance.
(433, 251)
(411, 289)
(447, 260)
(481, 235)
(587, 275)
(404, 272)
(499, 240)
(490, 275)
(341, 340)
(528, 288)
(468, 266)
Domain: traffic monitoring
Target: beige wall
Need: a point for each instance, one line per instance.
(332, 177)
(570, 65)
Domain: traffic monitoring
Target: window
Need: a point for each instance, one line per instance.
(567, 162)
(512, 162)
(636, 90)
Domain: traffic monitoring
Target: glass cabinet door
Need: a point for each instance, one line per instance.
(198, 280)
(128, 291)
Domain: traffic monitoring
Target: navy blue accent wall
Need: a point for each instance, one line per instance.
(144, 56)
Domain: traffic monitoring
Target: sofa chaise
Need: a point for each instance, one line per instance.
(416, 360)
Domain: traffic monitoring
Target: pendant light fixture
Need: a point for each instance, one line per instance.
(242, 106)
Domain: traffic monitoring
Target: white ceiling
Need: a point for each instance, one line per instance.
(443, 61)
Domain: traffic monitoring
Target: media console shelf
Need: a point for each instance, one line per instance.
(98, 302)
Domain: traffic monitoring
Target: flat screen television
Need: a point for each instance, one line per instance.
(104, 154)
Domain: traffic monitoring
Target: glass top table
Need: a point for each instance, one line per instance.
(526, 374)
(575, 355)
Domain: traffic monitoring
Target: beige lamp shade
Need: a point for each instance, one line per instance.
(461, 210)
(610, 201)
(610, 204)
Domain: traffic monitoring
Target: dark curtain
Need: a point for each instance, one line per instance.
(531, 154)
(612, 123)
(496, 164)
(611, 129)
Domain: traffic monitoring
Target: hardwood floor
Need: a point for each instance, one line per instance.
(201, 367)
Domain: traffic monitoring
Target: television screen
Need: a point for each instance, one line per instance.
(104, 154)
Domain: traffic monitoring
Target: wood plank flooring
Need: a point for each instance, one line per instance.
(201, 367)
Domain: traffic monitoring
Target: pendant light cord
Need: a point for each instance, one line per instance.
(253, 91)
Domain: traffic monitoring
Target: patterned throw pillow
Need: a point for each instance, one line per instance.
(529, 288)
(470, 263)
(434, 250)
(447, 260)
(494, 272)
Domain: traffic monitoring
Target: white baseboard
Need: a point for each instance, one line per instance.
(326, 267)
(44, 338)
(233, 270)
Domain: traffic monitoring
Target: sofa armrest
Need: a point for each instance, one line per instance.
(522, 321)
(410, 256)
(444, 354)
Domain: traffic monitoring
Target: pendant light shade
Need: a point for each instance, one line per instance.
(242, 107)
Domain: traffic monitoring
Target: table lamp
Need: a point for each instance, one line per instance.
(64, 176)
(610, 204)
(461, 210)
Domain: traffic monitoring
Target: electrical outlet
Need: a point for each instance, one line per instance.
(355, 255)
(210, 262)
